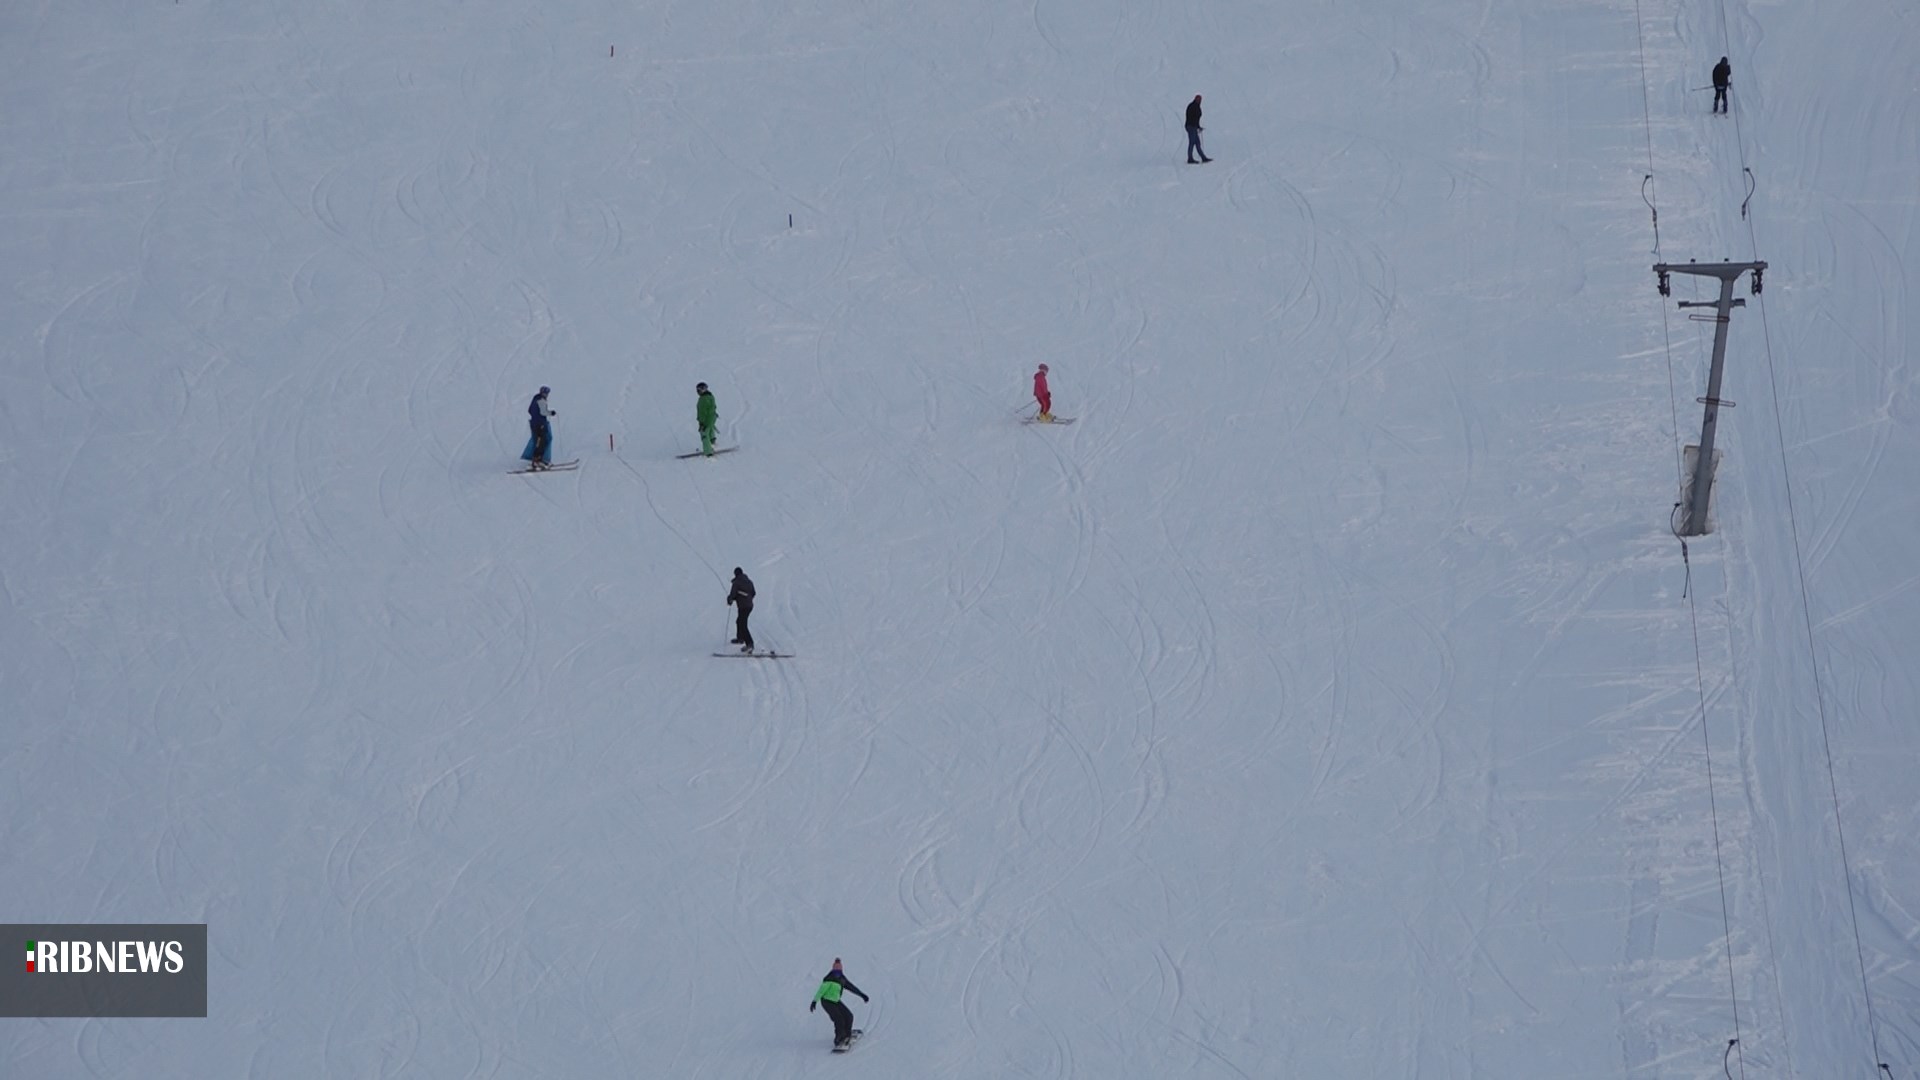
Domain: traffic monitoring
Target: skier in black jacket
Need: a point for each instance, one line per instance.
(741, 598)
(1722, 76)
(1193, 132)
(829, 995)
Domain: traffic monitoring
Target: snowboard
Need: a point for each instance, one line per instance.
(558, 466)
(758, 654)
(1044, 423)
(717, 451)
(854, 1039)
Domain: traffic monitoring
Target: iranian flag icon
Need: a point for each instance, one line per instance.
(29, 957)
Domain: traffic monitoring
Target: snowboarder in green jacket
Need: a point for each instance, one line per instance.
(708, 413)
(829, 996)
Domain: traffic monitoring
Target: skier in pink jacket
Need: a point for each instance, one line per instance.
(1042, 395)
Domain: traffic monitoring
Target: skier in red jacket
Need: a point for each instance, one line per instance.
(1042, 395)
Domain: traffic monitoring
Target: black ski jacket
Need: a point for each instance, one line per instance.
(742, 593)
(1193, 113)
(1722, 73)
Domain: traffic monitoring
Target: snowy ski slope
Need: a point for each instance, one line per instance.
(1330, 700)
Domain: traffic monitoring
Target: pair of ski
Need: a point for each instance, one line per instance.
(757, 654)
(1055, 420)
(558, 466)
(569, 466)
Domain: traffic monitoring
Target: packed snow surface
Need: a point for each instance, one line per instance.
(1332, 699)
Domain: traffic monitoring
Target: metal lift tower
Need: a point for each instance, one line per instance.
(1701, 490)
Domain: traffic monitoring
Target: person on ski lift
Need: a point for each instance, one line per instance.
(828, 995)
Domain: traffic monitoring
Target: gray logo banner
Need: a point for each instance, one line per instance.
(103, 969)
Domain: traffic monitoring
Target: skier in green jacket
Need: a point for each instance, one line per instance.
(829, 995)
(708, 413)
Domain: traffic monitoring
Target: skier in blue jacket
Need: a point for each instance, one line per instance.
(539, 451)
